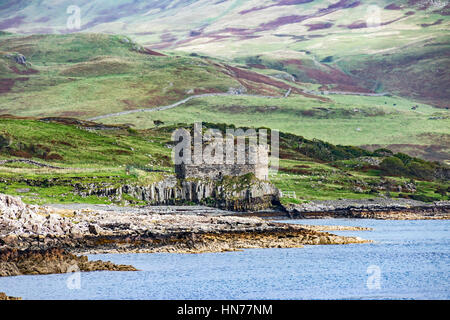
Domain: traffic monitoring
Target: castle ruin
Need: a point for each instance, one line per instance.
(255, 161)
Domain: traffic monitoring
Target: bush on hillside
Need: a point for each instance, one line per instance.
(404, 165)
(420, 170)
(393, 166)
(5, 141)
(405, 158)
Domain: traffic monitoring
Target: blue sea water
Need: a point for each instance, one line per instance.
(408, 260)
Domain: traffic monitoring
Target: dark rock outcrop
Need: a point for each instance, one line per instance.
(20, 59)
(15, 262)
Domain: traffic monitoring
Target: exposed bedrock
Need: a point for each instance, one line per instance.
(14, 262)
(234, 193)
(387, 209)
(33, 228)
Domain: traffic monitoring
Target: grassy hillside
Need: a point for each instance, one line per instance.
(347, 45)
(321, 52)
(107, 156)
(87, 75)
(349, 120)
(80, 153)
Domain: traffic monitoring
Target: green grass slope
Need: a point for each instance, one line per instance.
(361, 121)
(87, 75)
(347, 45)
(109, 156)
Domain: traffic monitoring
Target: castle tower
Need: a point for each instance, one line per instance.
(262, 163)
(256, 162)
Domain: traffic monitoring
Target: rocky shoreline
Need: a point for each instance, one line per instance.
(386, 209)
(27, 227)
(42, 240)
(15, 262)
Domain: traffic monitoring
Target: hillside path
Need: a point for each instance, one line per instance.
(176, 104)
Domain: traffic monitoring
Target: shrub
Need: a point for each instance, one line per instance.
(38, 150)
(405, 158)
(327, 59)
(355, 152)
(5, 141)
(392, 166)
(420, 170)
(253, 60)
(442, 190)
(132, 131)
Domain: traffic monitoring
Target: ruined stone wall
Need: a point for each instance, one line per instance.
(262, 171)
(213, 171)
(199, 169)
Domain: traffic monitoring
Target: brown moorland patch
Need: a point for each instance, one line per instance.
(319, 26)
(6, 85)
(392, 6)
(28, 71)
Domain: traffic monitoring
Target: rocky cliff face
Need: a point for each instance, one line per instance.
(233, 193)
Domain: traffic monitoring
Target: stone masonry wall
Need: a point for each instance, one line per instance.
(213, 171)
(199, 169)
